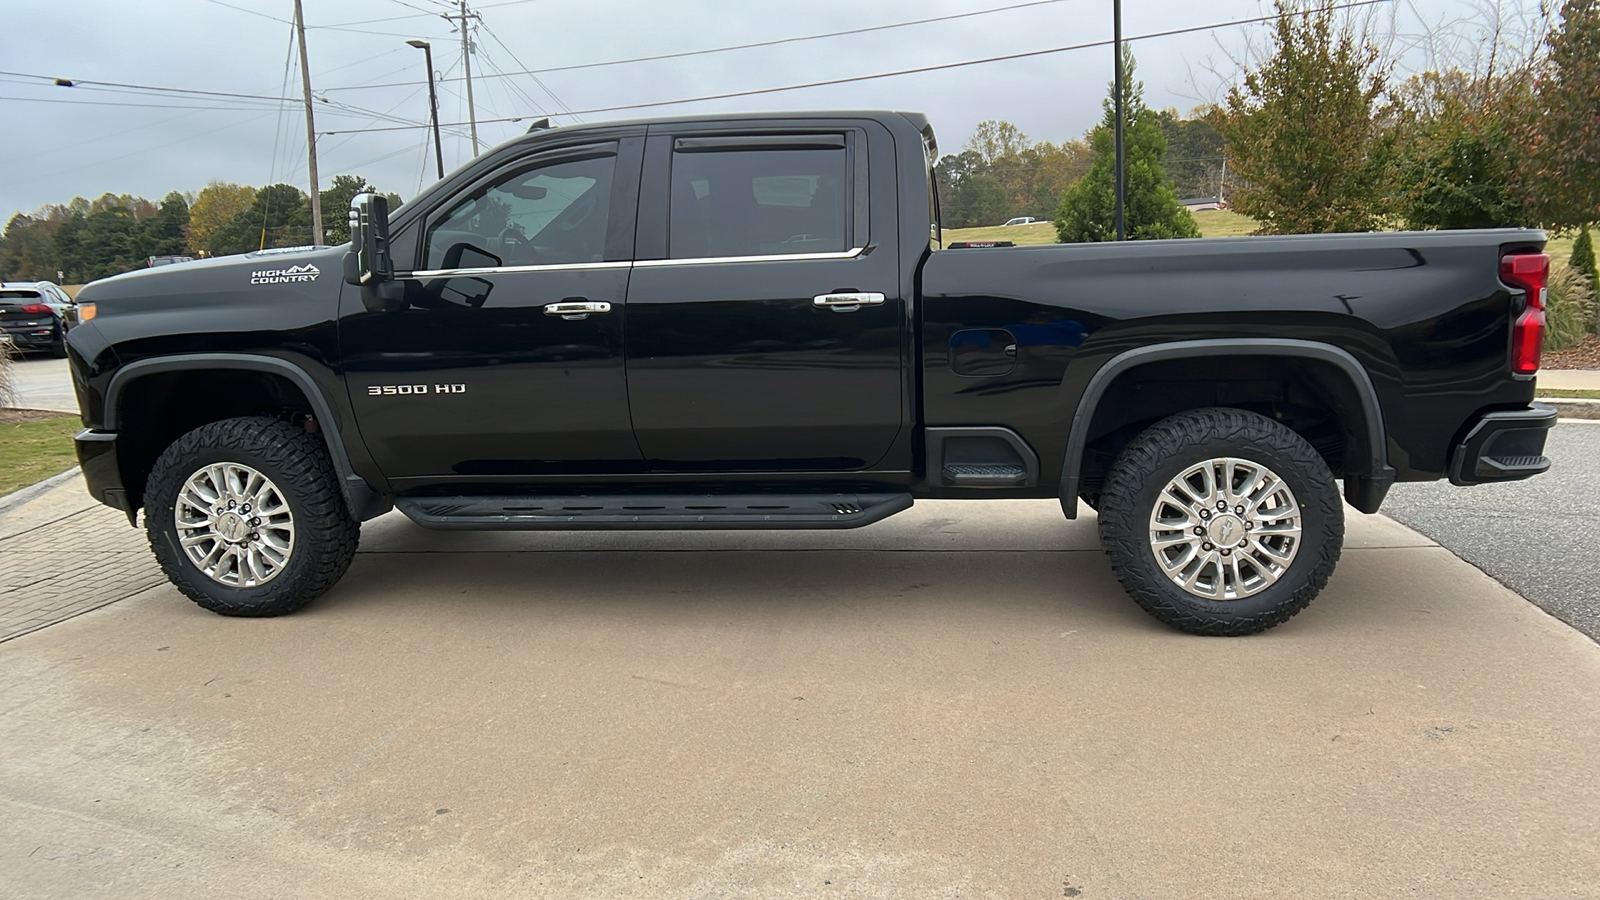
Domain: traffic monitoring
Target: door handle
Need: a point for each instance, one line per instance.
(847, 301)
(576, 310)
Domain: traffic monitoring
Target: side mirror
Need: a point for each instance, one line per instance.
(368, 264)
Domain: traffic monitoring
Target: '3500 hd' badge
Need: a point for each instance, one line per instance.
(390, 390)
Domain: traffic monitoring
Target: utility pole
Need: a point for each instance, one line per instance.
(1121, 169)
(466, 64)
(311, 127)
(433, 103)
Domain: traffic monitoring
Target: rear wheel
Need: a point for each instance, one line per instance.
(246, 518)
(58, 347)
(1221, 522)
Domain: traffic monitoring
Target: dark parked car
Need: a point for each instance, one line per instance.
(36, 316)
(741, 322)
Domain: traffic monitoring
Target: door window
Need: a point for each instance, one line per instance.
(550, 215)
(759, 202)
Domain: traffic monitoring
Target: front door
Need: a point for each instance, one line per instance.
(763, 332)
(507, 360)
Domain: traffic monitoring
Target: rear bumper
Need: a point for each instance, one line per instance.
(1504, 446)
(31, 338)
(97, 456)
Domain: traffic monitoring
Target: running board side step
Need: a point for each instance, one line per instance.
(664, 512)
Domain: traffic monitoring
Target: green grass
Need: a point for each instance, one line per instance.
(36, 450)
(1212, 222)
(1569, 395)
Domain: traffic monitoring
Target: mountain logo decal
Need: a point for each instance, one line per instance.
(291, 275)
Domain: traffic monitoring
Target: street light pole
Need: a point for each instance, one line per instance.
(433, 103)
(1119, 112)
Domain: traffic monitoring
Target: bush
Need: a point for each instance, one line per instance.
(1583, 258)
(8, 393)
(1569, 308)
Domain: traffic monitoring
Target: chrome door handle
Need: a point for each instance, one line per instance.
(576, 310)
(848, 301)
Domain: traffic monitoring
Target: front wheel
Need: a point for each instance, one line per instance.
(1221, 522)
(246, 518)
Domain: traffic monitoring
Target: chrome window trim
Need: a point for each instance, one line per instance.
(507, 270)
(774, 257)
(568, 267)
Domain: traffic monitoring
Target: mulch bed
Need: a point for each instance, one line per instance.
(1586, 355)
(11, 416)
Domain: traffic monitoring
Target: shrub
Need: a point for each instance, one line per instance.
(1569, 308)
(8, 393)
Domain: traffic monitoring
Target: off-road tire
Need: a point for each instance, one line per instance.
(298, 464)
(1169, 447)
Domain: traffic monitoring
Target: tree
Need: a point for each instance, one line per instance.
(996, 138)
(218, 204)
(280, 216)
(1194, 154)
(1302, 130)
(1562, 177)
(1456, 151)
(1583, 262)
(336, 203)
(1088, 209)
(164, 231)
(979, 200)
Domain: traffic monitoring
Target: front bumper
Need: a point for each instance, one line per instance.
(97, 456)
(1504, 446)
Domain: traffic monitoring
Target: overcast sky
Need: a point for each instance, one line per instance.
(86, 140)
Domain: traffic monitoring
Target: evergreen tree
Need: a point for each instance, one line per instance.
(1152, 211)
(1583, 259)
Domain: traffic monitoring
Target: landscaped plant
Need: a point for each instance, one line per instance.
(1569, 308)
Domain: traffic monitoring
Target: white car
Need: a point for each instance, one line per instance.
(1021, 220)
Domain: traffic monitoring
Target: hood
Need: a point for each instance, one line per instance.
(245, 277)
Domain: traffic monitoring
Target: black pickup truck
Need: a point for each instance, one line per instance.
(747, 322)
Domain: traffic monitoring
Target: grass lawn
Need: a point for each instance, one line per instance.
(1569, 395)
(36, 450)
(1212, 222)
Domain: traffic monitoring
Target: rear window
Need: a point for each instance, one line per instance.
(759, 202)
(11, 294)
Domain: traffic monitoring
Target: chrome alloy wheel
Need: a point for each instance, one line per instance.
(1225, 529)
(234, 525)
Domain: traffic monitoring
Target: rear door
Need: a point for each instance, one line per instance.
(764, 332)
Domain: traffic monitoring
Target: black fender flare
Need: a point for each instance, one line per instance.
(1365, 489)
(365, 502)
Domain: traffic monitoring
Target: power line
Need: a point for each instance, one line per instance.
(74, 82)
(755, 45)
(250, 11)
(935, 68)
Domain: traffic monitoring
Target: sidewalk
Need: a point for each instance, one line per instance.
(1569, 379)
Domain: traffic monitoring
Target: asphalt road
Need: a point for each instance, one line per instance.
(1541, 537)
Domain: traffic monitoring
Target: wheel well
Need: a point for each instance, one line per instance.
(1313, 398)
(159, 408)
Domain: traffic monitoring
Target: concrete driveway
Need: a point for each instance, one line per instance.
(958, 702)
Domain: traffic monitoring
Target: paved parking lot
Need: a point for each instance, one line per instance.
(1539, 537)
(44, 383)
(958, 702)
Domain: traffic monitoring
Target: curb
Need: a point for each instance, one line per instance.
(1573, 407)
(23, 495)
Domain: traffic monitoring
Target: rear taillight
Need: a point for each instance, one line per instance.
(1529, 273)
(36, 309)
